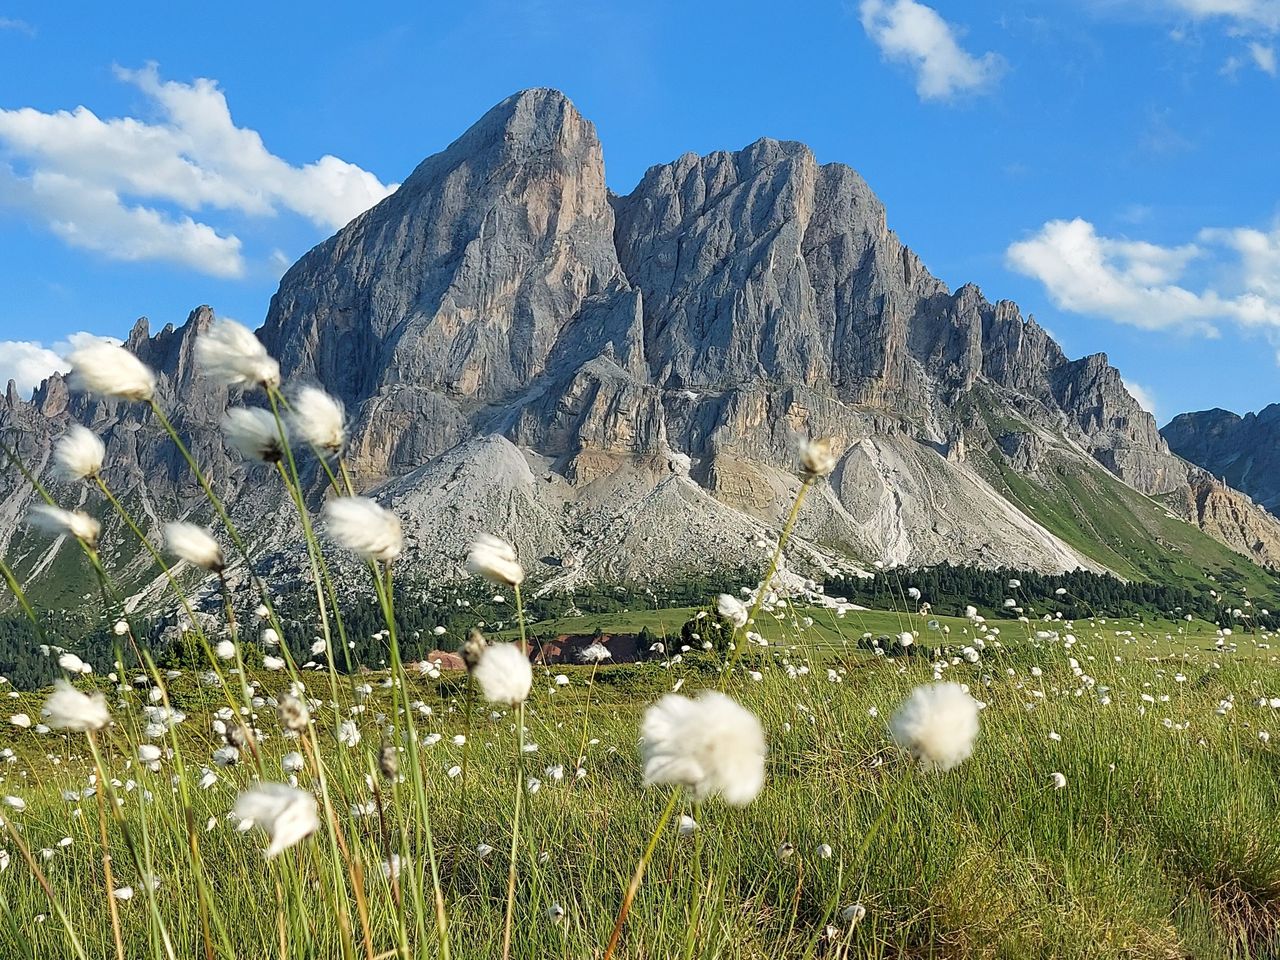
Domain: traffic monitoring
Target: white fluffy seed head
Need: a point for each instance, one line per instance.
(495, 560)
(69, 709)
(732, 609)
(817, 458)
(253, 433)
(361, 526)
(937, 725)
(195, 545)
(110, 371)
(709, 746)
(287, 814)
(58, 522)
(229, 353)
(318, 419)
(504, 673)
(78, 454)
(596, 653)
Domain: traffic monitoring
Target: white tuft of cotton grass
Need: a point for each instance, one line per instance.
(69, 709)
(78, 454)
(287, 814)
(318, 419)
(817, 458)
(109, 370)
(709, 746)
(595, 653)
(195, 545)
(504, 673)
(58, 522)
(732, 609)
(361, 526)
(253, 433)
(937, 725)
(495, 560)
(230, 354)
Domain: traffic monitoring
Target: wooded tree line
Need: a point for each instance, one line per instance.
(420, 609)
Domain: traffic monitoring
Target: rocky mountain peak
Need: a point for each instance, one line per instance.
(1243, 450)
(649, 362)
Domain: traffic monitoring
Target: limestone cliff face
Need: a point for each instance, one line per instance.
(1244, 451)
(651, 361)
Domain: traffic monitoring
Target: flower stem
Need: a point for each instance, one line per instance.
(515, 831)
(740, 634)
(638, 877)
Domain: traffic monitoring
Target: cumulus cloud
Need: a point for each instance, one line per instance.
(914, 34)
(1143, 284)
(27, 362)
(128, 188)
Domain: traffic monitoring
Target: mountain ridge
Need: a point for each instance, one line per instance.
(665, 350)
(1243, 450)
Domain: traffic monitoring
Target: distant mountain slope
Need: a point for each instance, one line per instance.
(619, 384)
(1243, 451)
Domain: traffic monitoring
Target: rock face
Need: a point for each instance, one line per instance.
(619, 384)
(1243, 451)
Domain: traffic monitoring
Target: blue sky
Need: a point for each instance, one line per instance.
(1108, 164)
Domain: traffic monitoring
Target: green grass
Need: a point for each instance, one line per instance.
(1165, 842)
(1130, 534)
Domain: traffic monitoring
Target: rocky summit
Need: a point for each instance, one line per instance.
(1243, 451)
(618, 384)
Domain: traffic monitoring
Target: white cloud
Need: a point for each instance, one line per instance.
(93, 218)
(1242, 14)
(1146, 399)
(28, 362)
(912, 33)
(20, 26)
(1264, 57)
(104, 184)
(1142, 284)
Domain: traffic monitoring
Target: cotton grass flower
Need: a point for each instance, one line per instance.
(58, 522)
(494, 559)
(817, 458)
(348, 733)
(69, 709)
(73, 664)
(504, 674)
(78, 454)
(230, 354)
(293, 712)
(1059, 781)
(709, 746)
(361, 526)
(194, 544)
(596, 653)
(937, 725)
(109, 370)
(318, 419)
(253, 433)
(732, 609)
(287, 814)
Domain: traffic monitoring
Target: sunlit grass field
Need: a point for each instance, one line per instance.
(1164, 842)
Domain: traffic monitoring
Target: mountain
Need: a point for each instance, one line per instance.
(1243, 451)
(619, 383)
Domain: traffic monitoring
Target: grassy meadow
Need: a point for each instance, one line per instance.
(1164, 842)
